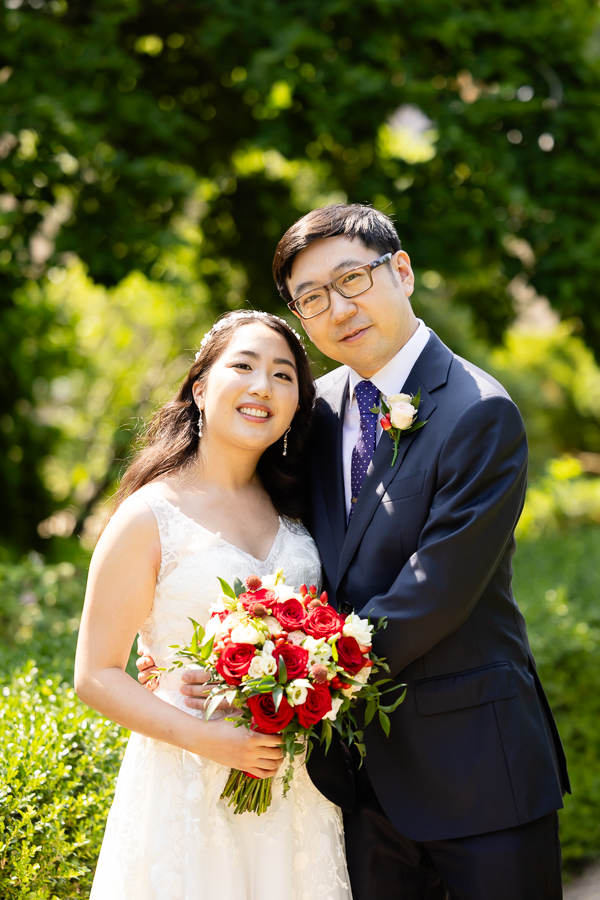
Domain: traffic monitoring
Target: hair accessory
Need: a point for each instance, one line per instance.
(285, 437)
(243, 314)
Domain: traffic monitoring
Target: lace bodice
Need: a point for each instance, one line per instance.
(191, 559)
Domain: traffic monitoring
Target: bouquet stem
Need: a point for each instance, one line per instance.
(247, 793)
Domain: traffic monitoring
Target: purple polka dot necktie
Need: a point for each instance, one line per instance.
(367, 396)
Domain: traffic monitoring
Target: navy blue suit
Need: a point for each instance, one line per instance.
(473, 749)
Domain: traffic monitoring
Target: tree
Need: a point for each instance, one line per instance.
(132, 129)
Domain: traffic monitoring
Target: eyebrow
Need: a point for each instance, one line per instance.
(345, 264)
(279, 360)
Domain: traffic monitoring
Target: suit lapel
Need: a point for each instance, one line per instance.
(430, 370)
(331, 469)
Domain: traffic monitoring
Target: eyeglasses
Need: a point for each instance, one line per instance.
(350, 284)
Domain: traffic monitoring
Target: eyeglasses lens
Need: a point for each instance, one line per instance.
(355, 282)
(348, 285)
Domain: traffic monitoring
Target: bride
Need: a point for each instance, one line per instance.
(216, 490)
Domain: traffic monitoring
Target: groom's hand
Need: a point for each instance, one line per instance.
(195, 687)
(146, 668)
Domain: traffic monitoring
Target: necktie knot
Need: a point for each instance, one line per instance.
(367, 396)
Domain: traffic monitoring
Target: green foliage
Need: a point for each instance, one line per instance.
(181, 140)
(58, 767)
(40, 606)
(557, 586)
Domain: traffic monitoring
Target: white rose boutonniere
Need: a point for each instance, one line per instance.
(399, 416)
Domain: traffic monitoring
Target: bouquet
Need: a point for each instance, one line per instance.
(288, 661)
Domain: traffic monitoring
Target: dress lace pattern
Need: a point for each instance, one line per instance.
(169, 836)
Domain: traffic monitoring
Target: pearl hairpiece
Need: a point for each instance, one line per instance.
(242, 314)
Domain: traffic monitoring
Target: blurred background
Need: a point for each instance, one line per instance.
(151, 155)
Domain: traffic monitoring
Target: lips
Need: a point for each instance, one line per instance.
(254, 412)
(355, 335)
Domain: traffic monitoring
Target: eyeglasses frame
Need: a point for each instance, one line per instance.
(332, 286)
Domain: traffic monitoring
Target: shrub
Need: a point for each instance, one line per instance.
(557, 585)
(57, 775)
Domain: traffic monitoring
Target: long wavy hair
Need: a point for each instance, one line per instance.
(171, 442)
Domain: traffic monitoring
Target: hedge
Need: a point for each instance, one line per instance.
(57, 773)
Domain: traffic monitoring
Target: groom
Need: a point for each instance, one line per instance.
(459, 803)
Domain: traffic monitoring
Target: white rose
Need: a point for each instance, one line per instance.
(296, 637)
(272, 624)
(402, 415)
(231, 621)
(256, 669)
(362, 676)
(335, 707)
(359, 629)
(214, 629)
(268, 648)
(246, 634)
(398, 398)
(319, 651)
(297, 691)
(283, 592)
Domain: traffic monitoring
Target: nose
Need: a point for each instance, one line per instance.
(261, 385)
(341, 308)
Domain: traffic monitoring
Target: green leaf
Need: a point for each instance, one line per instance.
(326, 734)
(416, 399)
(277, 696)
(238, 586)
(334, 652)
(206, 649)
(227, 589)
(384, 722)
(214, 702)
(384, 406)
(375, 409)
(416, 426)
(281, 671)
(370, 711)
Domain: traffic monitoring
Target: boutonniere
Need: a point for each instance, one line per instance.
(399, 414)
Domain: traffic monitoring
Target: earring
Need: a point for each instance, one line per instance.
(285, 437)
(199, 422)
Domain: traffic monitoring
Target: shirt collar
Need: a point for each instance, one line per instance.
(391, 378)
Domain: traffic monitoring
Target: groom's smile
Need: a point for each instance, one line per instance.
(364, 331)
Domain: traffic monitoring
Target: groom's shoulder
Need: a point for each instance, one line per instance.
(474, 382)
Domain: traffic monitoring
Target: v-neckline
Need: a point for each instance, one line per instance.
(217, 534)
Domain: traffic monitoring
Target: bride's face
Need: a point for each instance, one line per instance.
(251, 393)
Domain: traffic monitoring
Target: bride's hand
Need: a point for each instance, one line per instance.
(239, 748)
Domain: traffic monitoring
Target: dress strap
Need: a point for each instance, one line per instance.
(166, 515)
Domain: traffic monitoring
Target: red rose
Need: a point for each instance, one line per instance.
(295, 659)
(349, 656)
(234, 662)
(322, 622)
(264, 716)
(317, 704)
(290, 614)
(267, 598)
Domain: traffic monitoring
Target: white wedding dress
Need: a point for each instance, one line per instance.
(169, 836)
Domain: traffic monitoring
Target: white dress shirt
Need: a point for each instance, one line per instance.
(389, 380)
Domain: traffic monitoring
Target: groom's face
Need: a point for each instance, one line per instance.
(362, 332)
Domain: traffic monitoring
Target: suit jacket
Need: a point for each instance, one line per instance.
(473, 748)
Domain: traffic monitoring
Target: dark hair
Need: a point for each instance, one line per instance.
(171, 439)
(352, 220)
